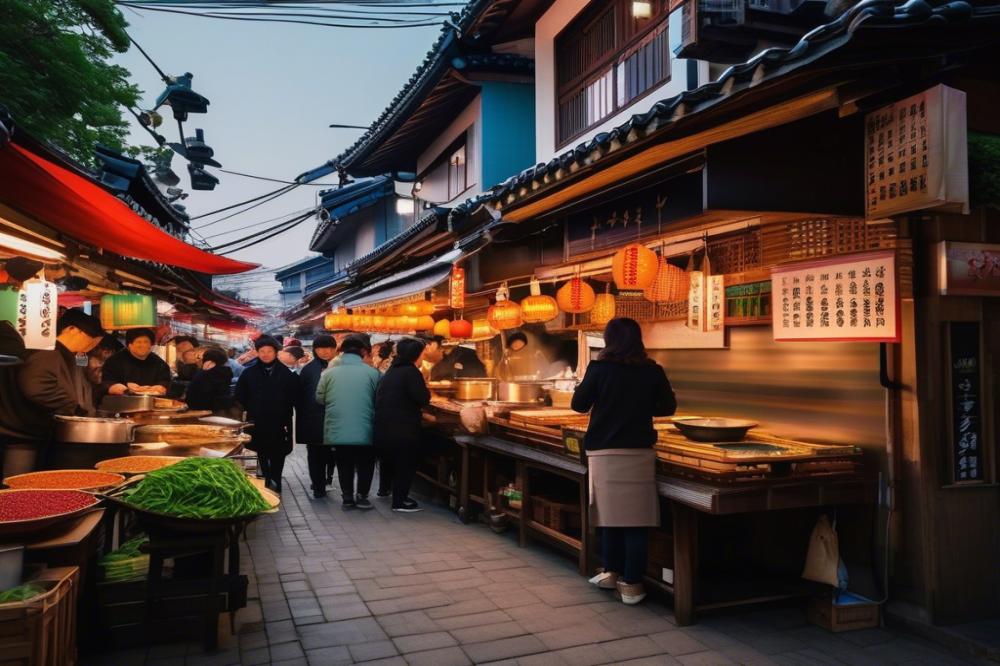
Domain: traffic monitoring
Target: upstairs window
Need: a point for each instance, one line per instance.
(608, 57)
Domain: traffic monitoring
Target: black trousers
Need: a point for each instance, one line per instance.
(321, 461)
(271, 465)
(624, 551)
(404, 468)
(351, 459)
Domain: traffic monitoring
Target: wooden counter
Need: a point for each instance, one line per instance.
(690, 501)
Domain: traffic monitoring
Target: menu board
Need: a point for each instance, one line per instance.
(916, 153)
(706, 302)
(969, 269)
(846, 298)
(966, 401)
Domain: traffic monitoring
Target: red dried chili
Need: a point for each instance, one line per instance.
(31, 504)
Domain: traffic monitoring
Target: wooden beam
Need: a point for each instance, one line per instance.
(654, 156)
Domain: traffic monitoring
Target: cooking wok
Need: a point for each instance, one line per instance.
(715, 429)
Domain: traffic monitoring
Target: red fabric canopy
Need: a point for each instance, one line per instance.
(234, 308)
(83, 210)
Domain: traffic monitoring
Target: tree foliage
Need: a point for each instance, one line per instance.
(56, 77)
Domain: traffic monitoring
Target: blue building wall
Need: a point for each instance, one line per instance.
(508, 129)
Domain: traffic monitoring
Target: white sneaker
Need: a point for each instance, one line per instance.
(606, 580)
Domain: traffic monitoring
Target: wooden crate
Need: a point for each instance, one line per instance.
(561, 516)
(825, 612)
(42, 631)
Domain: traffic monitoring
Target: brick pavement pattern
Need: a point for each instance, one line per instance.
(329, 587)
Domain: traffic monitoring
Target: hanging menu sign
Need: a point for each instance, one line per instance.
(966, 401)
(847, 298)
(916, 153)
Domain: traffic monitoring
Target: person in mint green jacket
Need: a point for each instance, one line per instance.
(347, 390)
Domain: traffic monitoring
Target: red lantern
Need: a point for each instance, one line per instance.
(460, 328)
(634, 267)
(456, 290)
(504, 313)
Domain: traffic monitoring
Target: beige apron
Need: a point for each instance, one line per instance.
(623, 488)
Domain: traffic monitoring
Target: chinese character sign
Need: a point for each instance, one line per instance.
(852, 297)
(706, 302)
(456, 288)
(916, 154)
(966, 402)
(37, 308)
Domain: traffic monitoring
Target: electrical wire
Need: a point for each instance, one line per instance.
(278, 20)
(257, 224)
(281, 190)
(159, 71)
(256, 242)
(295, 219)
(275, 180)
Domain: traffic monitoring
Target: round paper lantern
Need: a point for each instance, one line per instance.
(461, 328)
(379, 323)
(670, 284)
(417, 309)
(504, 313)
(123, 311)
(337, 320)
(442, 327)
(481, 329)
(604, 308)
(538, 308)
(575, 297)
(634, 267)
(424, 323)
(35, 316)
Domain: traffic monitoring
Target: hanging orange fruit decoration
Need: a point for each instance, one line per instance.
(442, 327)
(504, 313)
(604, 308)
(538, 308)
(575, 297)
(460, 328)
(633, 268)
(670, 284)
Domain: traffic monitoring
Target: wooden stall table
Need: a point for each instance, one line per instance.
(691, 500)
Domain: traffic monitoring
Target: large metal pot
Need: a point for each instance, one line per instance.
(122, 404)
(475, 389)
(522, 392)
(88, 430)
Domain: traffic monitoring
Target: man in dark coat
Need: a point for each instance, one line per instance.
(268, 391)
(136, 367)
(52, 383)
(453, 363)
(401, 396)
(309, 416)
(210, 388)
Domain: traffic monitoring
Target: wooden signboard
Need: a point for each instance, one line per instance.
(968, 269)
(851, 298)
(965, 389)
(916, 153)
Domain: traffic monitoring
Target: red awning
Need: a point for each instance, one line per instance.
(233, 308)
(83, 210)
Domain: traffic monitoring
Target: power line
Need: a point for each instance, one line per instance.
(281, 190)
(275, 180)
(257, 224)
(159, 71)
(279, 229)
(295, 219)
(280, 20)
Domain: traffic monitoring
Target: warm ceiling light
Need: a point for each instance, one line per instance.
(642, 10)
(21, 246)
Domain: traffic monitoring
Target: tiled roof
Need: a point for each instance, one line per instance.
(342, 202)
(765, 67)
(429, 219)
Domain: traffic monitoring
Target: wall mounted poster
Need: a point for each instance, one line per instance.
(966, 401)
(968, 269)
(916, 153)
(846, 298)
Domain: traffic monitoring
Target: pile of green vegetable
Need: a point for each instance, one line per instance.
(21, 593)
(199, 488)
(128, 562)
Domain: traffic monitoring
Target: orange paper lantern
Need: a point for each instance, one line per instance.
(379, 323)
(538, 308)
(460, 328)
(575, 297)
(442, 327)
(604, 308)
(634, 267)
(504, 313)
(337, 320)
(481, 329)
(670, 285)
(417, 309)
(424, 323)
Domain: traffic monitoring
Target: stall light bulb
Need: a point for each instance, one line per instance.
(642, 10)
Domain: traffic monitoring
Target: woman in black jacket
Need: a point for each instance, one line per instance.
(401, 396)
(210, 386)
(309, 416)
(623, 390)
(268, 391)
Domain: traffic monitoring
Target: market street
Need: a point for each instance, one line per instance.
(334, 587)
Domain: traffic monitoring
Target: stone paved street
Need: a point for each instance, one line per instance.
(333, 587)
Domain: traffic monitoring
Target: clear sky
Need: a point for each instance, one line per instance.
(274, 88)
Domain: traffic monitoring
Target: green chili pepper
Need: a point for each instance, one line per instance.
(199, 488)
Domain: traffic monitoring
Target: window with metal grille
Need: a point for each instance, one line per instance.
(606, 59)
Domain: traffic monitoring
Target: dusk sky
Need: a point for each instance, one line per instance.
(274, 89)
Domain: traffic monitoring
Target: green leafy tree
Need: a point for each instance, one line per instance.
(56, 77)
